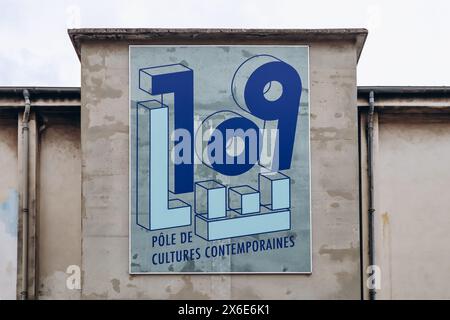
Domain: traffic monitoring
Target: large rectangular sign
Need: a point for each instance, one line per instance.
(219, 159)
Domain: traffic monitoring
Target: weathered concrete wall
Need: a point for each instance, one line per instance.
(59, 214)
(412, 221)
(55, 202)
(9, 203)
(335, 213)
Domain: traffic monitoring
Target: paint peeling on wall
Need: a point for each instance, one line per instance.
(8, 244)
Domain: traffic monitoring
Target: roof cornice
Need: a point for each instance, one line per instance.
(358, 35)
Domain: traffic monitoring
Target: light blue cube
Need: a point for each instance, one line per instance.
(210, 199)
(275, 189)
(244, 199)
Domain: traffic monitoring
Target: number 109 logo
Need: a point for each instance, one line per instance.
(214, 145)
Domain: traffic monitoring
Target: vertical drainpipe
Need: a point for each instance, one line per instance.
(371, 210)
(25, 148)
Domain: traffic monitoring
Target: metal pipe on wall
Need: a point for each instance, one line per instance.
(371, 209)
(25, 209)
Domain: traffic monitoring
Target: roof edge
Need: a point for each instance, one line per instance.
(359, 35)
(395, 92)
(72, 93)
(404, 89)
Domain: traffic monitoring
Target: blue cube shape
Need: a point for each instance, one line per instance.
(148, 75)
(210, 198)
(275, 190)
(243, 199)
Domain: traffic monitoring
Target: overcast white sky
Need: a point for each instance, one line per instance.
(408, 43)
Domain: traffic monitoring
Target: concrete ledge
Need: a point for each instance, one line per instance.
(226, 36)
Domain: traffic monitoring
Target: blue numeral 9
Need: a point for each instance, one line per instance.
(249, 88)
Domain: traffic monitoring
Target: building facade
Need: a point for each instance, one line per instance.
(74, 172)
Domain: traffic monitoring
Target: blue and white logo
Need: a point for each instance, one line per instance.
(215, 156)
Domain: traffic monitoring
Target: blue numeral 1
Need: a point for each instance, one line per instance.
(179, 80)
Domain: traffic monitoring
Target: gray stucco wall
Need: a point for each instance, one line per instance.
(334, 165)
(59, 216)
(412, 221)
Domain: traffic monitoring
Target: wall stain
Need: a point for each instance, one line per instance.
(331, 133)
(188, 291)
(335, 205)
(106, 131)
(97, 90)
(95, 66)
(116, 285)
(340, 254)
(385, 221)
(385, 218)
(342, 194)
(94, 295)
